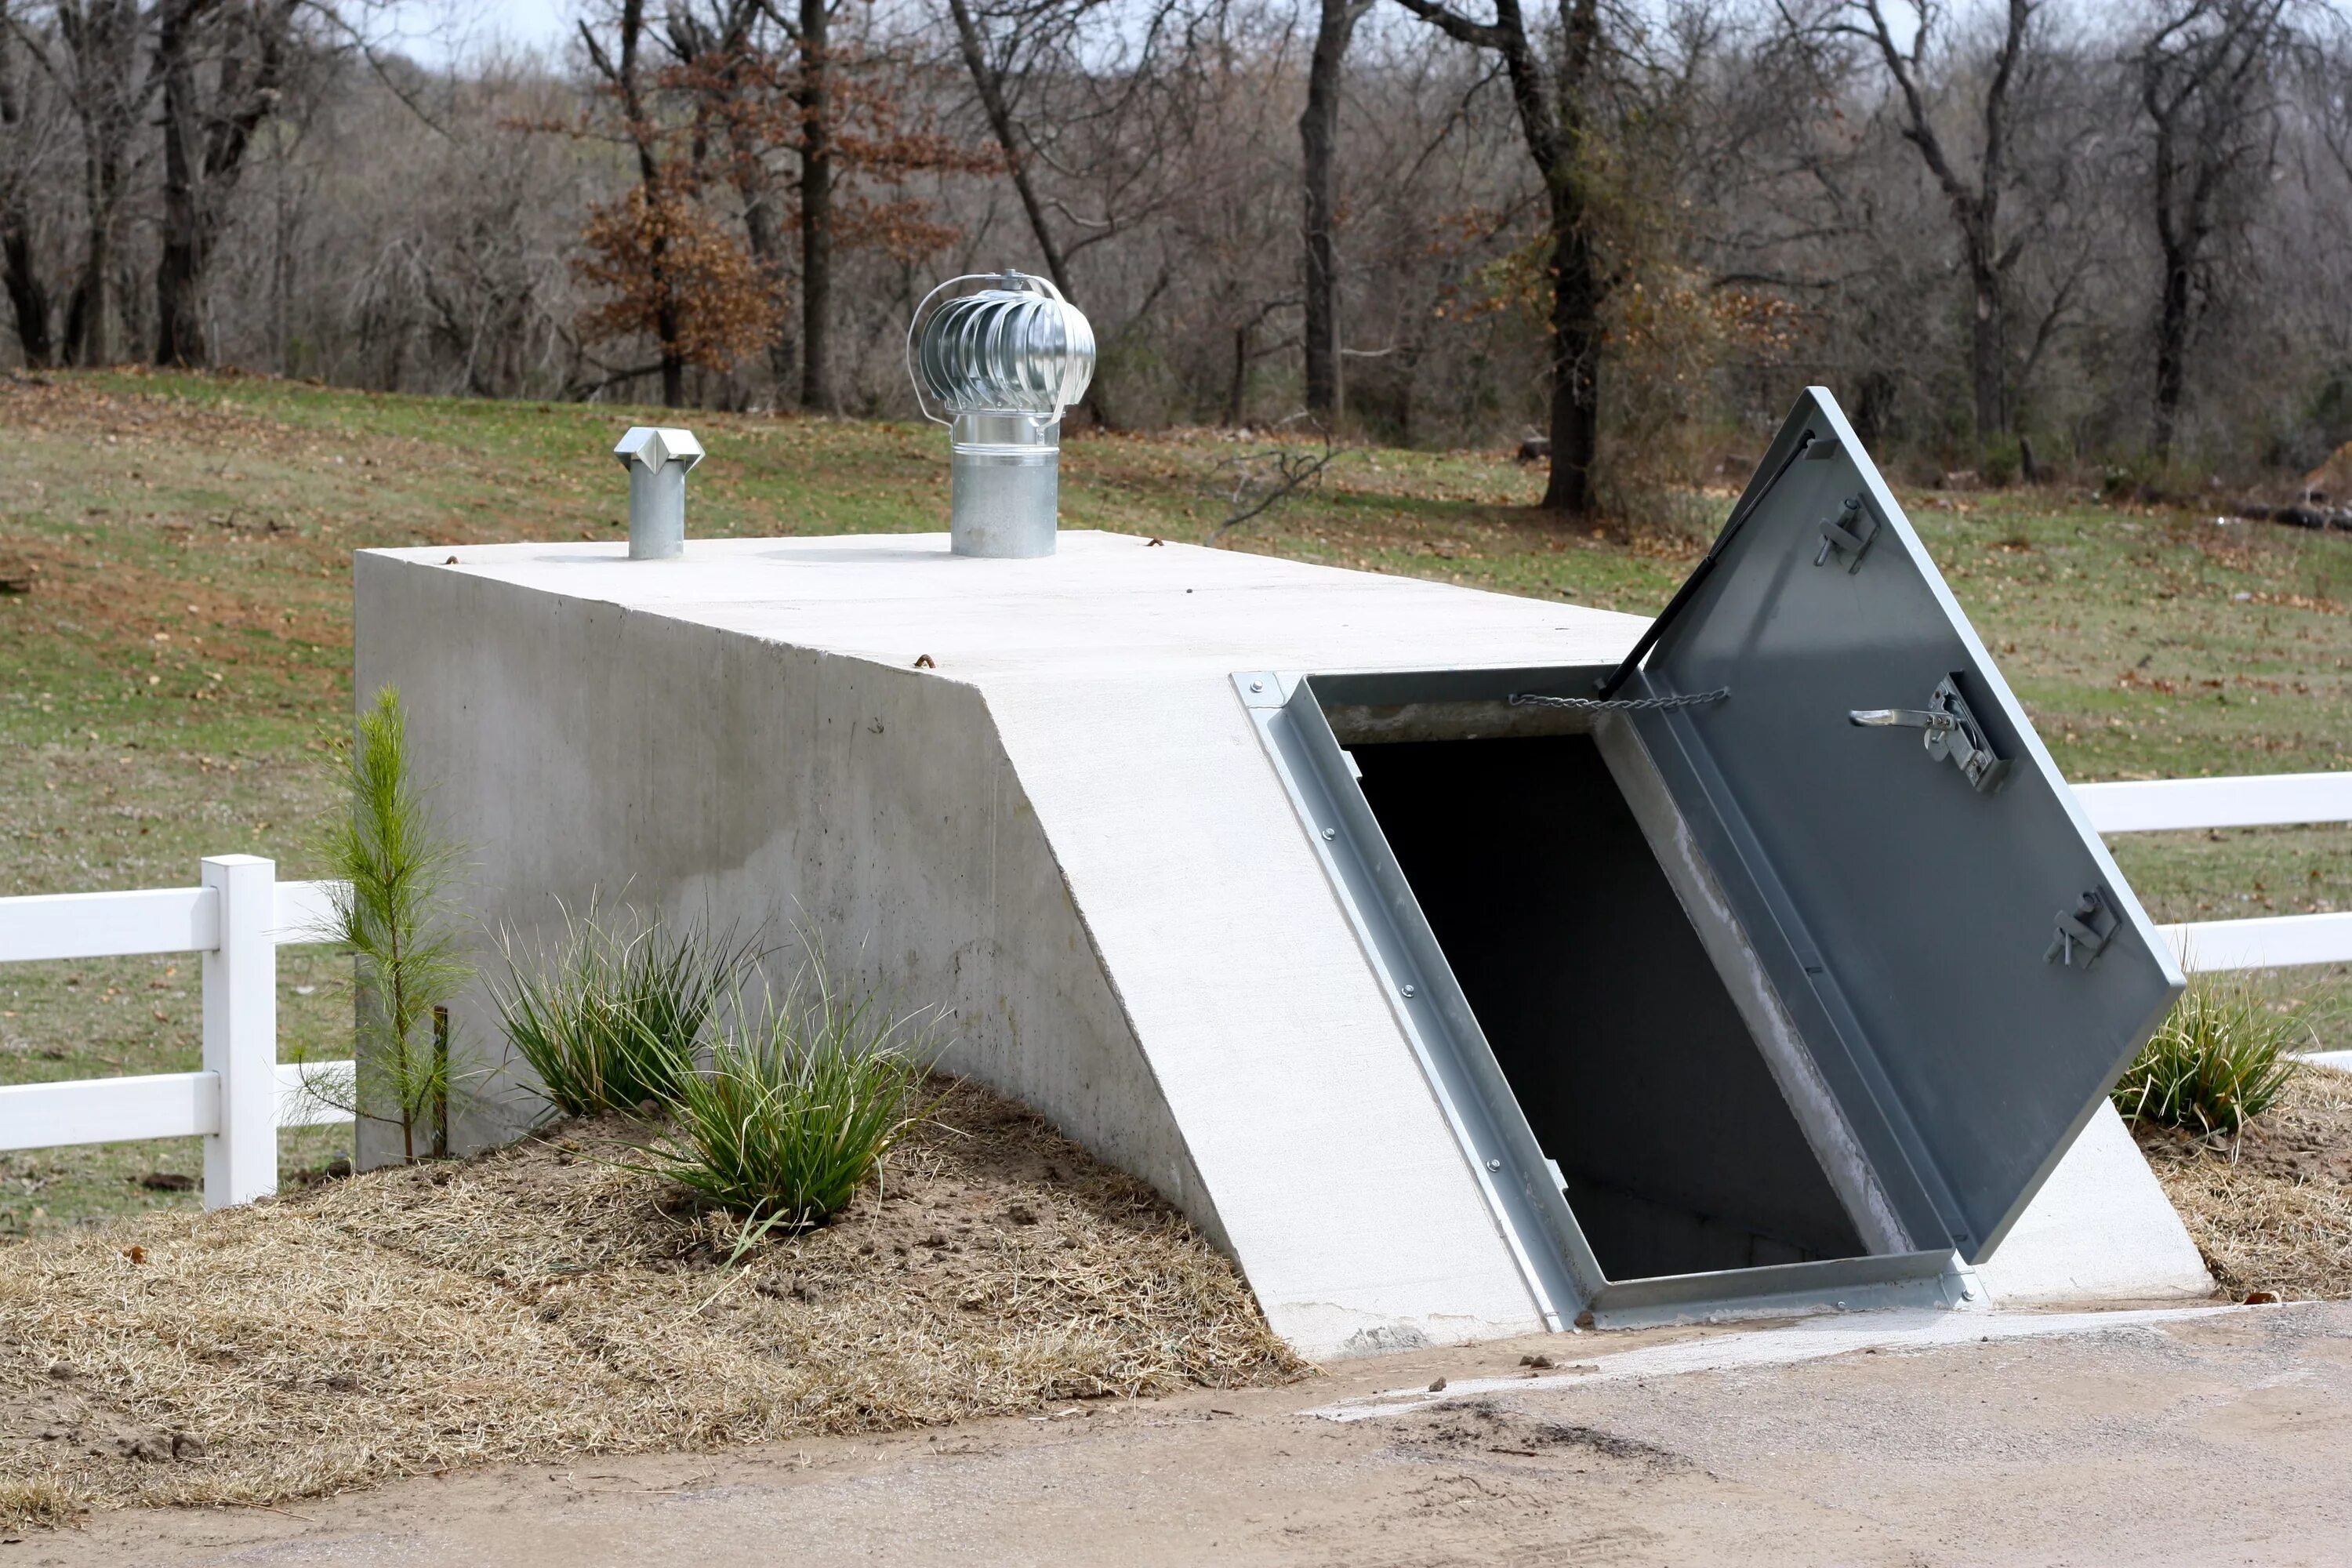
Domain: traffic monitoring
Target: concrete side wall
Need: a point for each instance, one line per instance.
(591, 751)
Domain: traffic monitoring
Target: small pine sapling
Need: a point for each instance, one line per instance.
(393, 911)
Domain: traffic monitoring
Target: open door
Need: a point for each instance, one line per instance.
(1948, 935)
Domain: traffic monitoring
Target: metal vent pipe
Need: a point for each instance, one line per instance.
(1004, 364)
(657, 459)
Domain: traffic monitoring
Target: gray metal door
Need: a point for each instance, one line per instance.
(1949, 934)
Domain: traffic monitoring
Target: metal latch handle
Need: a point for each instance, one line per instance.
(1952, 733)
(1903, 719)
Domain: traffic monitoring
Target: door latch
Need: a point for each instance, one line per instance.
(1952, 734)
(1847, 535)
(2083, 931)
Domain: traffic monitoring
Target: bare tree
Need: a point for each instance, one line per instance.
(624, 72)
(727, 51)
(1019, 31)
(1098, 113)
(812, 94)
(2203, 87)
(20, 164)
(458, 277)
(2007, 223)
(828, 92)
(109, 94)
(1318, 134)
(1988, 251)
(1554, 115)
(205, 137)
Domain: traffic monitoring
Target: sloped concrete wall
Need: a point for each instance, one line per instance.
(595, 754)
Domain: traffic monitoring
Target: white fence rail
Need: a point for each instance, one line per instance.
(236, 918)
(2158, 805)
(240, 913)
(2268, 800)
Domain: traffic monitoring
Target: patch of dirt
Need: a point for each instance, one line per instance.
(2271, 1208)
(547, 1301)
(1488, 1426)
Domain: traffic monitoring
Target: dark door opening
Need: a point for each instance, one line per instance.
(1620, 1042)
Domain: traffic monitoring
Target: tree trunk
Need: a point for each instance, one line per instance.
(668, 325)
(2202, 87)
(673, 366)
(1577, 289)
(102, 38)
(1975, 205)
(179, 305)
(178, 269)
(1576, 339)
(281, 267)
(26, 297)
(762, 236)
(204, 150)
(1237, 390)
(2172, 322)
(1319, 133)
(28, 301)
(89, 312)
(1987, 355)
(814, 98)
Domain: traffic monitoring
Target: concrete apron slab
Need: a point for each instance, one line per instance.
(1028, 790)
(1812, 1340)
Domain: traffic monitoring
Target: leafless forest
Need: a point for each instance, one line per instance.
(2025, 238)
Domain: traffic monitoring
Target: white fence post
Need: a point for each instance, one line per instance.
(240, 980)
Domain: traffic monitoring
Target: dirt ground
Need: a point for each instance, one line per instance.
(2217, 1440)
(2272, 1209)
(547, 1301)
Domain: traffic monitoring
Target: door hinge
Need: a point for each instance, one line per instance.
(1847, 535)
(1952, 734)
(2083, 931)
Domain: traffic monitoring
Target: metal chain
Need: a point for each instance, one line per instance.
(1619, 704)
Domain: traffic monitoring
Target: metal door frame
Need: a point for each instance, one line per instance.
(1508, 1167)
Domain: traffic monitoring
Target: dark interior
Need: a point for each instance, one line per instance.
(1625, 1051)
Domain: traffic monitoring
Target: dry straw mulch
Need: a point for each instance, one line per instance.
(543, 1302)
(2271, 1208)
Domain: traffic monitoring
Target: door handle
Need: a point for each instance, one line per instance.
(1951, 735)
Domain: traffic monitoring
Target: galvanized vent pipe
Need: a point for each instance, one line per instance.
(1004, 364)
(657, 459)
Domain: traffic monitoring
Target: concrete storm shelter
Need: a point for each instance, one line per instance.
(1792, 978)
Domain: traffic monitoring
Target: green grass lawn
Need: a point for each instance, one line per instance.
(166, 686)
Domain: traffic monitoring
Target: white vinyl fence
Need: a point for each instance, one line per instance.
(235, 918)
(2277, 941)
(241, 912)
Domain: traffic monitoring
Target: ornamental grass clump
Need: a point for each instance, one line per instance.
(2220, 1058)
(799, 1103)
(612, 1016)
